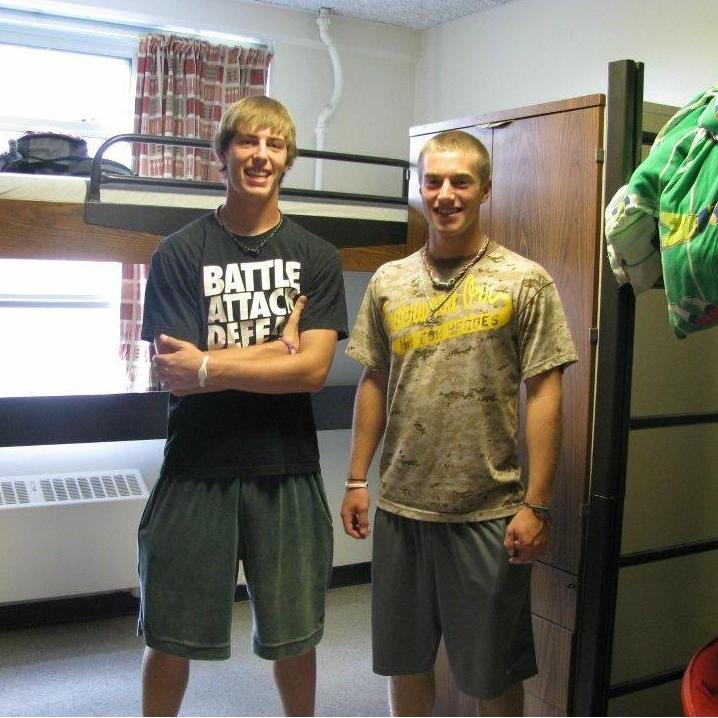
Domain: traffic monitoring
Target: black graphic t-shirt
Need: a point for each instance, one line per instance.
(204, 289)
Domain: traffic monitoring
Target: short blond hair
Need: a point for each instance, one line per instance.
(458, 141)
(251, 114)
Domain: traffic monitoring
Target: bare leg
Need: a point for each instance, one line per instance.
(509, 703)
(164, 679)
(296, 679)
(412, 695)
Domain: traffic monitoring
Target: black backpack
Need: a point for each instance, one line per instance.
(48, 153)
(51, 153)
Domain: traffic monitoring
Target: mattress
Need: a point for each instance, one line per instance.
(54, 188)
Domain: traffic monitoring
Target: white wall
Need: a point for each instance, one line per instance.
(378, 62)
(534, 51)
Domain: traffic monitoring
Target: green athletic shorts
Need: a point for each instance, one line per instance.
(191, 537)
(452, 579)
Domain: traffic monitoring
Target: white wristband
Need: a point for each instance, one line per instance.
(202, 371)
(356, 484)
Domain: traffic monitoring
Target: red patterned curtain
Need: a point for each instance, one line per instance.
(135, 353)
(183, 87)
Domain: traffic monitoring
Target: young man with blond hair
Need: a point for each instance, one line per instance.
(245, 308)
(446, 336)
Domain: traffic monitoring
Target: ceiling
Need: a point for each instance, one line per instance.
(415, 14)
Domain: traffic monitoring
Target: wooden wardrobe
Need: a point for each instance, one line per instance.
(546, 205)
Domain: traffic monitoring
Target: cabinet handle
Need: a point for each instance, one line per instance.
(493, 125)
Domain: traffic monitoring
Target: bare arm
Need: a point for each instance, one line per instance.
(527, 535)
(281, 373)
(305, 371)
(266, 369)
(180, 374)
(165, 344)
(367, 430)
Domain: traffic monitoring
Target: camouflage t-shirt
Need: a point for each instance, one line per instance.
(451, 443)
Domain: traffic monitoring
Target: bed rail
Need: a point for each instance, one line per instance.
(97, 175)
(162, 220)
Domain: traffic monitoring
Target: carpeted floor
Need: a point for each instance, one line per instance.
(93, 669)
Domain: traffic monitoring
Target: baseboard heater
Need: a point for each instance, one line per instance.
(69, 534)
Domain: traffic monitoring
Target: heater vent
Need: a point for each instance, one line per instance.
(71, 488)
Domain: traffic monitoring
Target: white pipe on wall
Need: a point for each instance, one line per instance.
(320, 130)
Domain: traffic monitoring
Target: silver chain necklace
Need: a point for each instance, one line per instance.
(458, 276)
(452, 284)
(246, 248)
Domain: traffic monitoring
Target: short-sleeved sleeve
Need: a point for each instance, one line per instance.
(171, 302)
(369, 344)
(544, 338)
(326, 304)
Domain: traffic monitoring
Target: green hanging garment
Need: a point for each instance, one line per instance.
(677, 185)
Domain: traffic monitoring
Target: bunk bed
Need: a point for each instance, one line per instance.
(617, 610)
(116, 218)
(122, 219)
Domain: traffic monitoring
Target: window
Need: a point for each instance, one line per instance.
(60, 324)
(60, 91)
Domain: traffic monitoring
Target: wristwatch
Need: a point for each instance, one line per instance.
(541, 512)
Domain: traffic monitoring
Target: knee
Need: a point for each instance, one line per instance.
(308, 655)
(158, 658)
(412, 681)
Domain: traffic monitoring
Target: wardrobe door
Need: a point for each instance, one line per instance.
(546, 204)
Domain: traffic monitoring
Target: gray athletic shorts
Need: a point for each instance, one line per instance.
(454, 579)
(193, 534)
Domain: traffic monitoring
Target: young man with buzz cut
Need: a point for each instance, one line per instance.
(446, 336)
(245, 308)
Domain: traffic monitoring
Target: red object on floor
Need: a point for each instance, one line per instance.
(699, 687)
